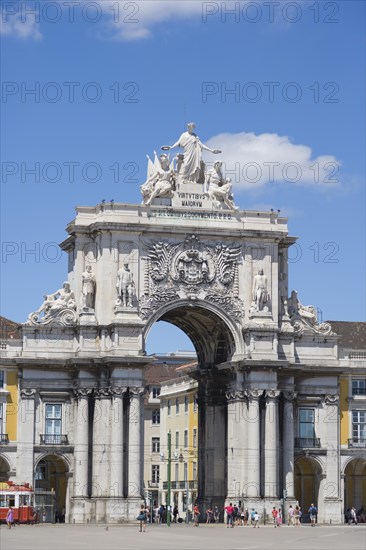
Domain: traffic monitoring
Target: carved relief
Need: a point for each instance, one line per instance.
(192, 270)
(305, 317)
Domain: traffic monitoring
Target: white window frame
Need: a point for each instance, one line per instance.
(59, 420)
(155, 473)
(361, 434)
(185, 439)
(155, 413)
(194, 438)
(155, 444)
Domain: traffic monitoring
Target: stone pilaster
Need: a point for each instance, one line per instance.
(116, 447)
(271, 462)
(236, 443)
(101, 442)
(253, 450)
(26, 431)
(135, 443)
(81, 448)
(288, 445)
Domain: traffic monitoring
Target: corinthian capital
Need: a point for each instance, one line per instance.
(82, 392)
(290, 395)
(235, 395)
(118, 391)
(272, 394)
(254, 393)
(136, 392)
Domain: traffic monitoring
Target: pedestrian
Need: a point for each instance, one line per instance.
(229, 515)
(279, 518)
(297, 516)
(216, 514)
(175, 514)
(256, 519)
(10, 517)
(235, 514)
(246, 518)
(290, 516)
(209, 515)
(252, 514)
(313, 513)
(242, 516)
(156, 514)
(142, 518)
(196, 515)
(274, 516)
(353, 515)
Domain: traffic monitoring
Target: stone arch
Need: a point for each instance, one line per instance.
(354, 483)
(5, 468)
(309, 472)
(214, 334)
(51, 485)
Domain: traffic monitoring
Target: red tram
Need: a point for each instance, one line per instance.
(20, 498)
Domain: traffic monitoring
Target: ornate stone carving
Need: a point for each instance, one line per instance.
(88, 289)
(82, 392)
(289, 395)
(136, 392)
(272, 394)
(331, 399)
(260, 294)
(236, 395)
(103, 393)
(254, 393)
(305, 317)
(118, 391)
(219, 188)
(192, 270)
(28, 392)
(57, 308)
(160, 181)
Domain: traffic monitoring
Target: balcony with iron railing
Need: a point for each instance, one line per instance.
(54, 439)
(357, 442)
(307, 442)
(182, 485)
(4, 439)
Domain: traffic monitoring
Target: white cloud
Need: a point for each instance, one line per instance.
(134, 20)
(13, 25)
(255, 160)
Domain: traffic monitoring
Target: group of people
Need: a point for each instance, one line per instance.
(351, 516)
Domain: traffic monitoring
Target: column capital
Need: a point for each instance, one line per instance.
(272, 395)
(254, 393)
(290, 395)
(118, 391)
(330, 399)
(28, 393)
(103, 393)
(136, 392)
(82, 392)
(235, 395)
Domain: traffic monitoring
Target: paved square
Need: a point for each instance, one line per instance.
(160, 537)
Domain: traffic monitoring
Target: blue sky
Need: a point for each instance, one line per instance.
(112, 90)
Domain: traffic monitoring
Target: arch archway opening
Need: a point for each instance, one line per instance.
(307, 483)
(51, 479)
(355, 486)
(4, 469)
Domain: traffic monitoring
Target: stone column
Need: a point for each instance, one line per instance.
(134, 443)
(253, 450)
(116, 447)
(26, 432)
(180, 501)
(81, 442)
(332, 496)
(288, 445)
(271, 465)
(235, 444)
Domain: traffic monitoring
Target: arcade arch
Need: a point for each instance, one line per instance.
(355, 484)
(51, 484)
(308, 476)
(4, 469)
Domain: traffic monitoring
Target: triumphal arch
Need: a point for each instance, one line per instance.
(186, 255)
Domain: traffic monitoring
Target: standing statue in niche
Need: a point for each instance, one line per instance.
(191, 168)
(88, 289)
(125, 287)
(260, 290)
(219, 188)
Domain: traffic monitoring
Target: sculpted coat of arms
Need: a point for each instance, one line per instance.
(194, 270)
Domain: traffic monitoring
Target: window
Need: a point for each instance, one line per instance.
(1, 418)
(186, 401)
(185, 471)
(194, 471)
(176, 465)
(169, 407)
(195, 404)
(176, 440)
(359, 426)
(307, 424)
(155, 444)
(155, 392)
(53, 423)
(177, 406)
(1, 378)
(156, 416)
(155, 473)
(359, 387)
(194, 437)
(185, 439)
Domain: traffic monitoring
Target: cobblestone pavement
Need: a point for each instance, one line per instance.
(187, 537)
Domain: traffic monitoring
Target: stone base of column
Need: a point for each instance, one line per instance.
(332, 512)
(263, 506)
(104, 510)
